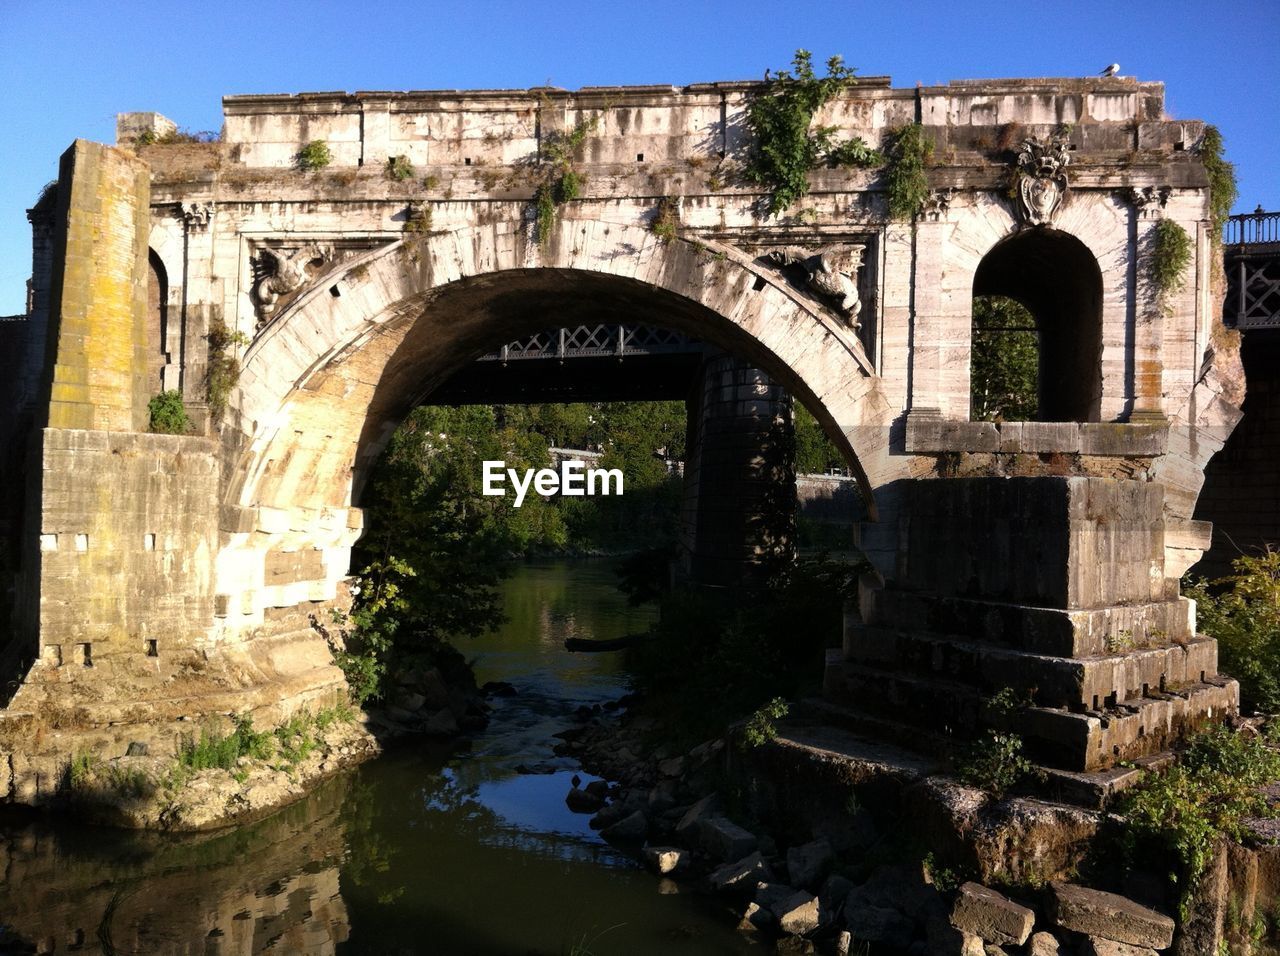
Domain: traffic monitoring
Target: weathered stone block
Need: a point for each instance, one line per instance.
(807, 864)
(986, 913)
(1097, 946)
(1109, 917)
(725, 840)
(666, 859)
(740, 876)
(1123, 440)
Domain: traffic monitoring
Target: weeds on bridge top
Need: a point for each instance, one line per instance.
(785, 147)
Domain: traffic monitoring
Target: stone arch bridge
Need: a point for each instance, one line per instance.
(156, 578)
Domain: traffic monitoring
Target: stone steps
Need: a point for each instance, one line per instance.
(1054, 632)
(1074, 683)
(1088, 741)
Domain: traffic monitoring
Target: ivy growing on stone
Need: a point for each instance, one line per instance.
(1170, 256)
(785, 148)
(1222, 179)
(224, 367)
(909, 152)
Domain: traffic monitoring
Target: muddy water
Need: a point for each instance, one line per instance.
(422, 851)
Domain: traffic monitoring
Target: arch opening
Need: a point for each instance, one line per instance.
(157, 321)
(351, 397)
(1055, 277)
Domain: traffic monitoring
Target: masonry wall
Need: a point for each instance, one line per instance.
(128, 527)
(96, 359)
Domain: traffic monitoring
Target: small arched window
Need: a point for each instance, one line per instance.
(1052, 279)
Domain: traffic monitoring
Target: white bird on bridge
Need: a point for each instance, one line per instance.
(1112, 70)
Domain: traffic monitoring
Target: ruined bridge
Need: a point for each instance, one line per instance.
(160, 578)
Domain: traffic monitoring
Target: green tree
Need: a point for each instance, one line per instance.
(816, 454)
(1242, 611)
(1005, 362)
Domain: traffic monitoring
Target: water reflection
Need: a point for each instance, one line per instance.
(423, 851)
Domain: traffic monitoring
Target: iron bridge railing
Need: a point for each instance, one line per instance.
(594, 341)
(1251, 257)
(1254, 227)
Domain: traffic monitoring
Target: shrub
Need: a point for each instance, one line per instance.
(315, 155)
(1242, 611)
(224, 368)
(168, 414)
(995, 763)
(784, 148)
(399, 168)
(760, 729)
(1210, 793)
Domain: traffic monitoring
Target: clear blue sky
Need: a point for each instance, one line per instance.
(67, 67)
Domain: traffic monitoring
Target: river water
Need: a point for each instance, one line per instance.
(426, 850)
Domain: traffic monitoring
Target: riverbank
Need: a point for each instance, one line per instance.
(822, 840)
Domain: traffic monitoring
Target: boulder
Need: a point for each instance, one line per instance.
(440, 724)
(408, 700)
(1108, 916)
(1096, 946)
(834, 891)
(891, 905)
(689, 825)
(672, 767)
(739, 877)
(630, 829)
(610, 815)
(663, 796)
(598, 788)
(1043, 944)
(798, 916)
(808, 864)
(433, 689)
(756, 917)
(986, 913)
(666, 859)
(772, 896)
(583, 801)
(723, 839)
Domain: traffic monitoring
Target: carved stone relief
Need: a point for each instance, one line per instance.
(935, 205)
(832, 272)
(197, 214)
(1149, 201)
(1042, 179)
(283, 268)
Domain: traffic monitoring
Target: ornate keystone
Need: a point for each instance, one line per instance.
(1149, 201)
(197, 214)
(832, 272)
(1042, 179)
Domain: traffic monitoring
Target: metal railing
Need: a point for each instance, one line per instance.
(594, 341)
(1254, 227)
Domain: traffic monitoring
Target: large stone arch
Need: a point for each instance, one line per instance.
(324, 385)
